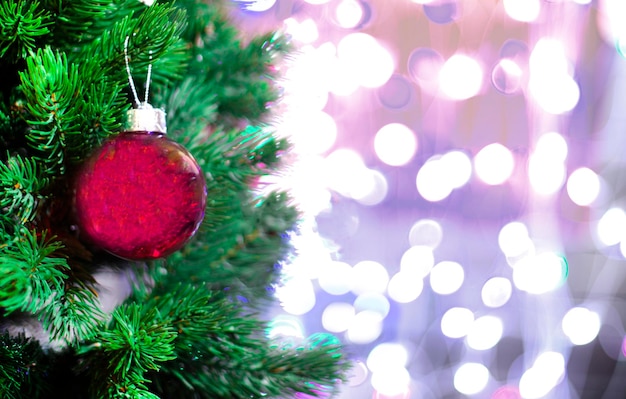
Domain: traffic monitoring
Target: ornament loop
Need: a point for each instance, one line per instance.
(133, 88)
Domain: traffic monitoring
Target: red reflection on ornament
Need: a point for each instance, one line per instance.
(140, 196)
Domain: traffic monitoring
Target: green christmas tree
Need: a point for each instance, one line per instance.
(191, 324)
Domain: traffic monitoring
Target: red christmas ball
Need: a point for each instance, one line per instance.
(140, 196)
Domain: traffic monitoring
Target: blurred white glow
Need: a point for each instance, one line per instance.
(551, 146)
(611, 20)
(391, 381)
(548, 58)
(306, 82)
(540, 273)
(303, 32)
(556, 95)
(417, 261)
(424, 65)
(546, 175)
(484, 333)
(317, 1)
(456, 322)
(372, 189)
(296, 295)
(366, 327)
(551, 84)
(513, 239)
(387, 355)
(285, 326)
(336, 278)
(547, 371)
(259, 5)
(461, 77)
(612, 227)
(494, 164)
(348, 13)
(312, 132)
(507, 76)
(426, 232)
(405, 287)
(395, 144)
(458, 168)
(522, 10)
(496, 292)
(344, 172)
(583, 186)
(581, 325)
(374, 302)
(471, 378)
(431, 180)
(337, 317)
(369, 276)
(366, 59)
(446, 277)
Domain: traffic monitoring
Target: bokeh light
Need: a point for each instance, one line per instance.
(522, 10)
(456, 322)
(581, 325)
(513, 239)
(285, 326)
(336, 277)
(506, 76)
(258, 5)
(583, 186)
(426, 232)
(396, 94)
(366, 59)
(446, 277)
(424, 65)
(485, 333)
(391, 381)
(461, 77)
(366, 327)
(372, 301)
(337, 317)
(458, 168)
(546, 372)
(386, 355)
(611, 227)
(496, 292)
(405, 287)
(471, 378)
(494, 164)
(546, 165)
(312, 132)
(431, 180)
(417, 261)
(372, 188)
(349, 13)
(369, 277)
(296, 295)
(551, 83)
(541, 273)
(442, 11)
(395, 144)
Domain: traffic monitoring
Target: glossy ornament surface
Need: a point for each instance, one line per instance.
(140, 196)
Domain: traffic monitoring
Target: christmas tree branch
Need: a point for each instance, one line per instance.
(23, 368)
(22, 25)
(29, 276)
(20, 188)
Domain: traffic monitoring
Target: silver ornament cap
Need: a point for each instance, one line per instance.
(146, 118)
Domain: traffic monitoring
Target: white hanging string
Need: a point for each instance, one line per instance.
(130, 76)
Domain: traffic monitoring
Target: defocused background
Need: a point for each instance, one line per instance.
(460, 168)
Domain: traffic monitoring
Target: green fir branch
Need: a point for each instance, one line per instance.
(23, 368)
(133, 342)
(72, 316)
(264, 370)
(80, 22)
(20, 188)
(50, 86)
(22, 25)
(29, 274)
